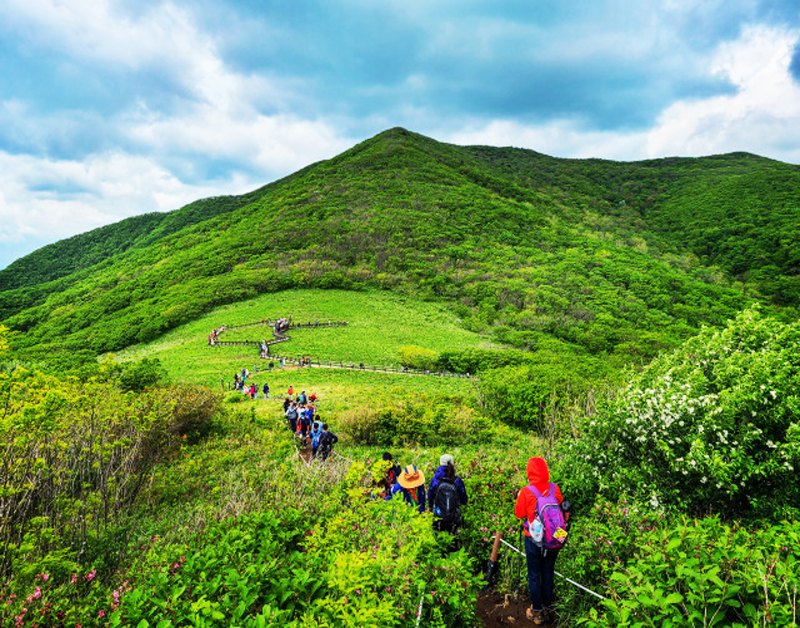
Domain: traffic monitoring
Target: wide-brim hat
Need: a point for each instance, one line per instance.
(411, 477)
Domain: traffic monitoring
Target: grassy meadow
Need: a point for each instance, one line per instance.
(379, 324)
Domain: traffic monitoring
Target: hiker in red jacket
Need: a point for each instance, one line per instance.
(541, 562)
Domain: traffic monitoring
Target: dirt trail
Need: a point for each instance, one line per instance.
(496, 610)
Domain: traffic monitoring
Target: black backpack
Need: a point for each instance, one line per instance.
(446, 503)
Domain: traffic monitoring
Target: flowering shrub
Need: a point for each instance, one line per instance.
(73, 600)
(493, 490)
(713, 426)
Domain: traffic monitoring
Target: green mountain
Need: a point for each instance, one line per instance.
(613, 259)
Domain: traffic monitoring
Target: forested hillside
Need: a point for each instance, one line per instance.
(615, 259)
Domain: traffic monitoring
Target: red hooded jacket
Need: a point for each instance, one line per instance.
(539, 476)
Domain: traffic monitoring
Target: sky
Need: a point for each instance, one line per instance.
(110, 109)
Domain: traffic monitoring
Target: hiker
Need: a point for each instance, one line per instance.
(313, 398)
(540, 500)
(393, 471)
(305, 426)
(411, 487)
(291, 390)
(316, 432)
(266, 390)
(446, 495)
(303, 398)
(326, 442)
(291, 416)
(253, 391)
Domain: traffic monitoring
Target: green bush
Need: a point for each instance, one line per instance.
(706, 573)
(81, 453)
(411, 423)
(711, 427)
(415, 357)
(144, 373)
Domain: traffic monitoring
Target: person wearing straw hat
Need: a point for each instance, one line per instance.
(411, 487)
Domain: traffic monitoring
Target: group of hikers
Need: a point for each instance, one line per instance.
(251, 389)
(303, 422)
(444, 497)
(212, 337)
(540, 505)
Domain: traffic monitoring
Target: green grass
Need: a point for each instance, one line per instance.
(379, 324)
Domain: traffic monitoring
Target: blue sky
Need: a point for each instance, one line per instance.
(110, 109)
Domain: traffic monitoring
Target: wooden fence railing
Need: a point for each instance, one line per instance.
(282, 336)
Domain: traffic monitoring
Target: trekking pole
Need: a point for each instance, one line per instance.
(560, 575)
(419, 610)
(519, 561)
(493, 560)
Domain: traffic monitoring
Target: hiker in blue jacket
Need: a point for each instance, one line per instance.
(316, 432)
(447, 511)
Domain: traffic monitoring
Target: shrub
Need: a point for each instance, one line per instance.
(144, 373)
(81, 453)
(713, 426)
(416, 357)
(706, 573)
(195, 407)
(424, 423)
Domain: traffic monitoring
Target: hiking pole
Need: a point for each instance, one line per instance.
(419, 610)
(492, 561)
(560, 575)
(519, 561)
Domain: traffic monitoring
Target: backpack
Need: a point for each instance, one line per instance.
(548, 530)
(446, 503)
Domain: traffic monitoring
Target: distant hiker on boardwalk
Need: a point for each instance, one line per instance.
(411, 487)
(266, 390)
(446, 495)
(326, 442)
(539, 506)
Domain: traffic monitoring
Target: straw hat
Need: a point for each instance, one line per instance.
(411, 477)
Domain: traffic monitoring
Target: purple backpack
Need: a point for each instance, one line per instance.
(549, 516)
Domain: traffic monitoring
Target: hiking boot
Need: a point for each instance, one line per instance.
(537, 617)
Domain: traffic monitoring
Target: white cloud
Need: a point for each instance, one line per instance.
(222, 122)
(57, 199)
(762, 116)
